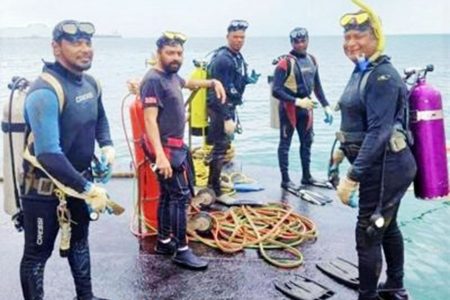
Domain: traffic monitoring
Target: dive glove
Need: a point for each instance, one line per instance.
(328, 115)
(96, 197)
(253, 78)
(346, 191)
(305, 103)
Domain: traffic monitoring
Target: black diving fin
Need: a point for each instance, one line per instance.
(314, 197)
(342, 271)
(321, 184)
(303, 288)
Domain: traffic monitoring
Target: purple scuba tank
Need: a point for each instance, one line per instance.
(427, 127)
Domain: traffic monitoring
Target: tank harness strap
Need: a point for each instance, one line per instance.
(43, 186)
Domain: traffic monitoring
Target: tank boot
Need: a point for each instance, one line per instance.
(166, 248)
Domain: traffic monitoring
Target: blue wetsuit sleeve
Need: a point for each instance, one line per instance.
(42, 113)
(318, 90)
(381, 99)
(102, 132)
(279, 78)
(222, 70)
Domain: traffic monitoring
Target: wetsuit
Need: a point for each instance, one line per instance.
(307, 81)
(163, 91)
(370, 115)
(64, 144)
(230, 69)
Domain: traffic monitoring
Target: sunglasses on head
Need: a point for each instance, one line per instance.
(76, 29)
(177, 36)
(237, 25)
(354, 19)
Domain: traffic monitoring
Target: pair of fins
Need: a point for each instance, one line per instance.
(312, 197)
(303, 288)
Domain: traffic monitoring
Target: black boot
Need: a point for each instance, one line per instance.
(215, 169)
(392, 294)
(166, 248)
(187, 259)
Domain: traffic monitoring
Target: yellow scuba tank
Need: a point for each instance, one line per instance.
(198, 120)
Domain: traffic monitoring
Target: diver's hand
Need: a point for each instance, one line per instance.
(229, 126)
(163, 166)
(253, 78)
(305, 103)
(96, 198)
(346, 191)
(328, 115)
(133, 86)
(108, 154)
(219, 90)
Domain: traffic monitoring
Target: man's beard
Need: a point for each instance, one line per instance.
(172, 67)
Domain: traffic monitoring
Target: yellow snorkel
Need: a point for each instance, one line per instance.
(377, 29)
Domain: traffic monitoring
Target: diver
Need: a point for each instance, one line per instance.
(63, 143)
(296, 77)
(374, 138)
(165, 119)
(229, 67)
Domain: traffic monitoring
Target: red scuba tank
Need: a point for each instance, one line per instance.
(427, 127)
(148, 184)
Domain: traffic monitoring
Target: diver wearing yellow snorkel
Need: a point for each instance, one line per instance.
(373, 139)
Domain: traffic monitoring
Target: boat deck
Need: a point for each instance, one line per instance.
(125, 268)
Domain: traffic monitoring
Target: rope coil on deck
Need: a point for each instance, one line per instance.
(265, 228)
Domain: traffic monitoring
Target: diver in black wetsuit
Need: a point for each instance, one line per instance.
(296, 78)
(64, 144)
(229, 67)
(374, 139)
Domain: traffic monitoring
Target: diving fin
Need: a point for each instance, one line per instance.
(314, 197)
(319, 183)
(247, 187)
(342, 271)
(303, 288)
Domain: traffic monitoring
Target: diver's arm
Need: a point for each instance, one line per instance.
(381, 103)
(194, 84)
(42, 111)
(102, 132)
(318, 90)
(222, 70)
(279, 78)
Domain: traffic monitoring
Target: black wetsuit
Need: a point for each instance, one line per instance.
(163, 90)
(230, 69)
(369, 114)
(64, 144)
(292, 117)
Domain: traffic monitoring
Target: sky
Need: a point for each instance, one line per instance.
(201, 18)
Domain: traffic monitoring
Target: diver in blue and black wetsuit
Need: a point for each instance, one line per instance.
(296, 77)
(229, 67)
(63, 143)
(374, 139)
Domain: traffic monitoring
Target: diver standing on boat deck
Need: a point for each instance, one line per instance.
(374, 138)
(63, 143)
(165, 119)
(296, 77)
(229, 67)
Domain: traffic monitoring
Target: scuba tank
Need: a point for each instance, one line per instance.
(427, 127)
(198, 119)
(13, 127)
